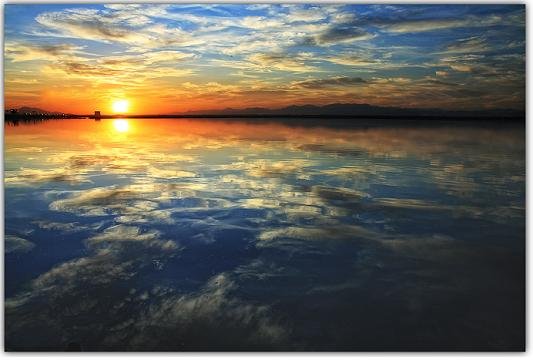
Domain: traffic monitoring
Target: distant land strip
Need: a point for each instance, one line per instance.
(293, 113)
(340, 121)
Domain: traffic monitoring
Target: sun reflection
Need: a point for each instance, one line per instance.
(121, 125)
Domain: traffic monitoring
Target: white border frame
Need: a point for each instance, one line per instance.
(279, 355)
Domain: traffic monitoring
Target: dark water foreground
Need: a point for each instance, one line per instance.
(217, 235)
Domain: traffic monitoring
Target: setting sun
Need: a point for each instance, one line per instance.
(120, 106)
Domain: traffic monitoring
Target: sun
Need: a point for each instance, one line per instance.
(120, 106)
(121, 125)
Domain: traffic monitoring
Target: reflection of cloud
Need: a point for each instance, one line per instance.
(29, 176)
(123, 200)
(169, 173)
(131, 233)
(56, 226)
(29, 149)
(197, 321)
(342, 194)
(274, 169)
(192, 321)
(95, 201)
(327, 213)
(324, 233)
(350, 172)
(79, 287)
(115, 161)
(151, 217)
(432, 246)
(15, 244)
(142, 202)
(83, 161)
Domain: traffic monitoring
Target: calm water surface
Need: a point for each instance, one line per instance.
(218, 235)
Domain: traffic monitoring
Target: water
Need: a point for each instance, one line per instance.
(169, 234)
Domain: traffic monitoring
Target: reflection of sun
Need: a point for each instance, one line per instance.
(121, 125)
(120, 106)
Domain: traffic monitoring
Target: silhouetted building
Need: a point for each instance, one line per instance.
(97, 115)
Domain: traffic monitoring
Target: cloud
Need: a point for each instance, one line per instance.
(340, 34)
(23, 81)
(112, 25)
(474, 44)
(338, 81)
(131, 69)
(283, 62)
(79, 68)
(423, 25)
(19, 52)
(261, 23)
(147, 45)
(354, 60)
(311, 14)
(74, 62)
(167, 56)
(89, 24)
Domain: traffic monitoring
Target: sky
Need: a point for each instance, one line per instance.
(165, 58)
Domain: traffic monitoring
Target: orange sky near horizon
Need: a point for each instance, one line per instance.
(63, 100)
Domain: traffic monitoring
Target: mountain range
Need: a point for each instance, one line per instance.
(356, 110)
(34, 110)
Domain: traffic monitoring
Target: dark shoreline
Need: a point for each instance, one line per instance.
(327, 121)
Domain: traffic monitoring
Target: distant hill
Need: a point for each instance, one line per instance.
(357, 110)
(34, 110)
